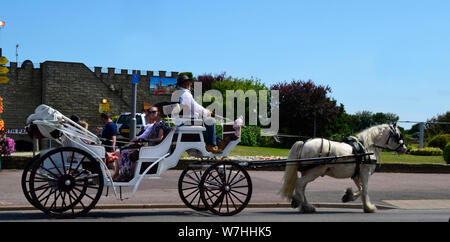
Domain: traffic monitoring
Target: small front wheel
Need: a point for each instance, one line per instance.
(188, 188)
(226, 188)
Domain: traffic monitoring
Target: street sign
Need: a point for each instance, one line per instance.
(135, 78)
(3, 60)
(4, 79)
(4, 70)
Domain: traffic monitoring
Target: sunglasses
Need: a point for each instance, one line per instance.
(150, 112)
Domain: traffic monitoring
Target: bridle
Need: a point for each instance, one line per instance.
(398, 138)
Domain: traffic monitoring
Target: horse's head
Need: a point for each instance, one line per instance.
(394, 140)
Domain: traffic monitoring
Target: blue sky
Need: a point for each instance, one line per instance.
(381, 56)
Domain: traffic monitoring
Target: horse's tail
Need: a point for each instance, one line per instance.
(290, 173)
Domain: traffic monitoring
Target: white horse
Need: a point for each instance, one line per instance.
(373, 139)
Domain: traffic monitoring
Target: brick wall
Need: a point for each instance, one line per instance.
(71, 88)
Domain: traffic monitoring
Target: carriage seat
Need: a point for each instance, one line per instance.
(160, 149)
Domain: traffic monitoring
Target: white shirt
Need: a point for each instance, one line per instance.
(191, 106)
(146, 133)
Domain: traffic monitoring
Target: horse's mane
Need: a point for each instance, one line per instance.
(370, 135)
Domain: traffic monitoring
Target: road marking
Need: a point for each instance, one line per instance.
(420, 204)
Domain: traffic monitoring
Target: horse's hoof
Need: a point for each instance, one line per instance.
(307, 209)
(294, 204)
(370, 209)
(348, 195)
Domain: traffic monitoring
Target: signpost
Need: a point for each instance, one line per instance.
(134, 82)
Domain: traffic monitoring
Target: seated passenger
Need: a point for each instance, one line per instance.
(155, 129)
(154, 133)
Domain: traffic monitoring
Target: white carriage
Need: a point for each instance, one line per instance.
(68, 181)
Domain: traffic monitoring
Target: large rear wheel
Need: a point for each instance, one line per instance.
(65, 182)
(26, 180)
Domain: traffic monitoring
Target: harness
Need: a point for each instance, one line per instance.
(358, 148)
(393, 134)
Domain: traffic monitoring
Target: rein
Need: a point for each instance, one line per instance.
(393, 134)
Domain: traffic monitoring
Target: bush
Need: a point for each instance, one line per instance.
(447, 153)
(114, 118)
(429, 151)
(7, 145)
(249, 136)
(439, 141)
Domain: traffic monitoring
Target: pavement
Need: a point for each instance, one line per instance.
(386, 190)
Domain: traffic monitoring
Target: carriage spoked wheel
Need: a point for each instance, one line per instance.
(188, 187)
(226, 188)
(26, 179)
(65, 182)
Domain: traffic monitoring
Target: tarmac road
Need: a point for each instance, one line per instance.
(387, 190)
(259, 215)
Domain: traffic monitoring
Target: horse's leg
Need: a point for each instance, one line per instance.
(365, 174)
(299, 195)
(349, 195)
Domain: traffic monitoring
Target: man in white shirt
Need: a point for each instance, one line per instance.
(197, 111)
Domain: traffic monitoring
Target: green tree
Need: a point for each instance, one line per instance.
(434, 129)
(303, 103)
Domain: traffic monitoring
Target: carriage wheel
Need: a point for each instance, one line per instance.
(26, 180)
(188, 188)
(226, 188)
(65, 182)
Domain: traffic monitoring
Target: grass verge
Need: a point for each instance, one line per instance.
(386, 157)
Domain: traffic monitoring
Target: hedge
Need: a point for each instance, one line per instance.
(429, 151)
(447, 153)
(439, 141)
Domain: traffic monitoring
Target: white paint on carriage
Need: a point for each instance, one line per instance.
(165, 155)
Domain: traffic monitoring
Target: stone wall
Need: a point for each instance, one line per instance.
(71, 88)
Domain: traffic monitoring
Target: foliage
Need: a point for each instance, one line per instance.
(304, 103)
(365, 119)
(222, 84)
(414, 129)
(447, 153)
(434, 129)
(249, 136)
(428, 151)
(342, 125)
(439, 141)
(114, 118)
(189, 74)
(207, 80)
(7, 145)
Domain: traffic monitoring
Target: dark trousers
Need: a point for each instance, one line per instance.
(211, 136)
